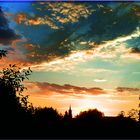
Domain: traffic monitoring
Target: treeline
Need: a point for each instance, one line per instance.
(19, 119)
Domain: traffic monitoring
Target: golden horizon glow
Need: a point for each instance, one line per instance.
(110, 103)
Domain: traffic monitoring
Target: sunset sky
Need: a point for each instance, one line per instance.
(86, 55)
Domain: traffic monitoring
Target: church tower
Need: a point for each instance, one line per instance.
(70, 112)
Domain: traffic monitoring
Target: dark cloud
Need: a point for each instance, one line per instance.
(135, 50)
(59, 28)
(134, 45)
(7, 35)
(64, 89)
(54, 46)
(124, 89)
(110, 23)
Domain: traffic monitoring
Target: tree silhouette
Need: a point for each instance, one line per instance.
(121, 114)
(14, 107)
(133, 114)
(3, 53)
(90, 115)
(13, 77)
(47, 115)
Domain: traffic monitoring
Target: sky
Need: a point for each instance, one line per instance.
(83, 54)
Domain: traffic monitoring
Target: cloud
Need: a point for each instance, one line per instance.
(99, 70)
(54, 61)
(44, 88)
(135, 50)
(100, 80)
(46, 59)
(22, 18)
(69, 58)
(79, 37)
(7, 35)
(115, 45)
(127, 89)
(58, 96)
(62, 63)
(136, 72)
(71, 11)
(60, 13)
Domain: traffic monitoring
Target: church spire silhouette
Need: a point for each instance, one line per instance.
(68, 114)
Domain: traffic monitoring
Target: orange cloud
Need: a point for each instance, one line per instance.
(127, 89)
(47, 88)
(14, 42)
(109, 101)
(20, 17)
(71, 13)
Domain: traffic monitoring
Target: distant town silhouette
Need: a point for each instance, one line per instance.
(19, 119)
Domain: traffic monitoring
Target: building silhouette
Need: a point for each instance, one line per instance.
(68, 114)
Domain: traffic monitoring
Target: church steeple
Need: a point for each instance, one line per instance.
(70, 112)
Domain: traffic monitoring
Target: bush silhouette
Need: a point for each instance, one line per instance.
(90, 115)
(47, 115)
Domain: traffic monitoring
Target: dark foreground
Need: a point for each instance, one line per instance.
(105, 128)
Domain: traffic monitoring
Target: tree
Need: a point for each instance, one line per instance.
(90, 115)
(47, 114)
(46, 117)
(133, 114)
(3, 53)
(121, 114)
(14, 107)
(12, 78)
